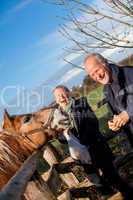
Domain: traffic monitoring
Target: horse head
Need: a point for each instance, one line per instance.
(33, 129)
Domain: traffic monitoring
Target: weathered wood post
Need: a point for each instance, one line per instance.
(19, 187)
(17, 184)
(51, 177)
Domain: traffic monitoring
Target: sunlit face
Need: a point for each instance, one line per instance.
(61, 96)
(97, 71)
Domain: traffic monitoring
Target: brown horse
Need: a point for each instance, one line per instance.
(21, 135)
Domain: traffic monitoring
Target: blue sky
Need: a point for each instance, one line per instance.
(25, 51)
(31, 50)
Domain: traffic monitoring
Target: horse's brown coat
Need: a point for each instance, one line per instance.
(14, 148)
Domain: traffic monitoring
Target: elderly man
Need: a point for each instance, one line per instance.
(84, 126)
(73, 119)
(118, 89)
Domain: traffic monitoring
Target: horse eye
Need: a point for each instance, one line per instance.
(27, 119)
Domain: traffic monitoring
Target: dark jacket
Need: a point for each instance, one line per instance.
(119, 94)
(87, 131)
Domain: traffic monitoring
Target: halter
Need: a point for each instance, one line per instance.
(45, 126)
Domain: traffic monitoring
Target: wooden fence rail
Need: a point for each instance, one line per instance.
(17, 184)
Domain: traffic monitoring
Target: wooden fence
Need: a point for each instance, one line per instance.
(59, 182)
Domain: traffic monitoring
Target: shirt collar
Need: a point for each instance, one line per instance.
(69, 106)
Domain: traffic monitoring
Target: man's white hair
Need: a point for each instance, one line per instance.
(99, 58)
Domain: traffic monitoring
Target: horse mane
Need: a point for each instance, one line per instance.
(7, 154)
(50, 106)
(53, 105)
(11, 157)
(20, 115)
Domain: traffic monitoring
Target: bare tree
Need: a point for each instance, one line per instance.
(102, 24)
(87, 21)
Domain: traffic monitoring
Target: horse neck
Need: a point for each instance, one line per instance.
(27, 146)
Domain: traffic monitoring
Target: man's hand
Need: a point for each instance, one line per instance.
(118, 121)
(121, 119)
(112, 126)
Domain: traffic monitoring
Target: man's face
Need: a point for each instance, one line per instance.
(61, 96)
(97, 71)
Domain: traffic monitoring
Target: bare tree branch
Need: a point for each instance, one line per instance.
(88, 26)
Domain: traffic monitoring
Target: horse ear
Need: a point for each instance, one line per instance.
(6, 120)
